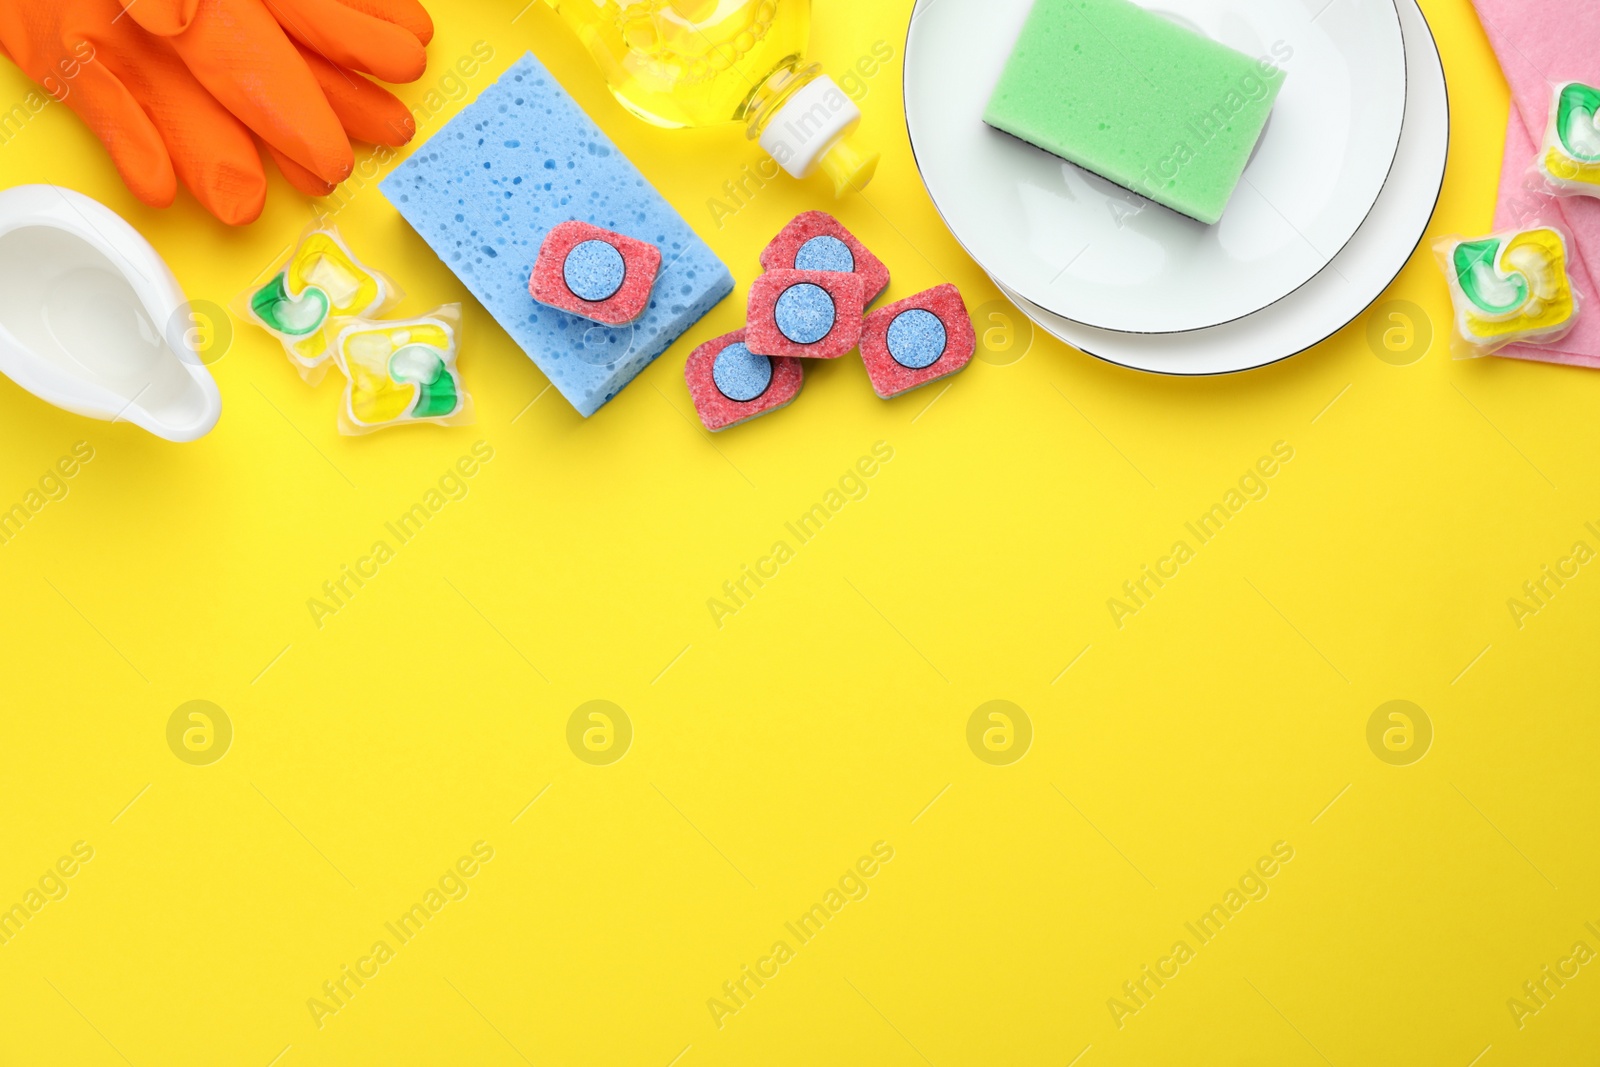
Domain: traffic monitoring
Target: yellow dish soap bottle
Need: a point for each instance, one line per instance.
(677, 63)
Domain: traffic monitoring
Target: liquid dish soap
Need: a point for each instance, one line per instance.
(677, 63)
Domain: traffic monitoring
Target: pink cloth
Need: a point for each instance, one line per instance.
(1539, 42)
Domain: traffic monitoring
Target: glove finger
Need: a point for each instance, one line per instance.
(164, 18)
(237, 50)
(353, 39)
(408, 13)
(211, 151)
(369, 112)
(106, 106)
(219, 164)
(297, 175)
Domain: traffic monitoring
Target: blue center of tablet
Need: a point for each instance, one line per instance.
(916, 338)
(825, 253)
(740, 374)
(804, 313)
(593, 271)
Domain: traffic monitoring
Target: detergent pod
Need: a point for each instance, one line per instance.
(911, 342)
(1511, 287)
(320, 280)
(400, 371)
(1568, 161)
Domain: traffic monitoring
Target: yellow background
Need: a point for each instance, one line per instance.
(830, 712)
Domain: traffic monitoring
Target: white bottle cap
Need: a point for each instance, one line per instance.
(808, 125)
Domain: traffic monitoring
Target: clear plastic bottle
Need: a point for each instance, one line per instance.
(680, 63)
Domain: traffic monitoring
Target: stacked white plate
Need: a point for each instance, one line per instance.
(1332, 205)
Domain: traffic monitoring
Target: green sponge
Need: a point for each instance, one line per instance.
(1140, 101)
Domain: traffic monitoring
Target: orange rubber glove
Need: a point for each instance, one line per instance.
(297, 175)
(131, 89)
(239, 50)
(358, 34)
(368, 113)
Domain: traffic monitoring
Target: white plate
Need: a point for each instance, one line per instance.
(1093, 252)
(1356, 277)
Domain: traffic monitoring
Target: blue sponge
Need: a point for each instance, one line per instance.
(485, 190)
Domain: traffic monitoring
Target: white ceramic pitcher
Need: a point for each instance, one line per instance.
(92, 319)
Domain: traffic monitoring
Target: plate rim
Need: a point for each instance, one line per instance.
(921, 6)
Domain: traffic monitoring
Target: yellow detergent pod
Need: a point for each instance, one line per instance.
(1562, 168)
(321, 280)
(1569, 157)
(323, 264)
(1510, 287)
(400, 371)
